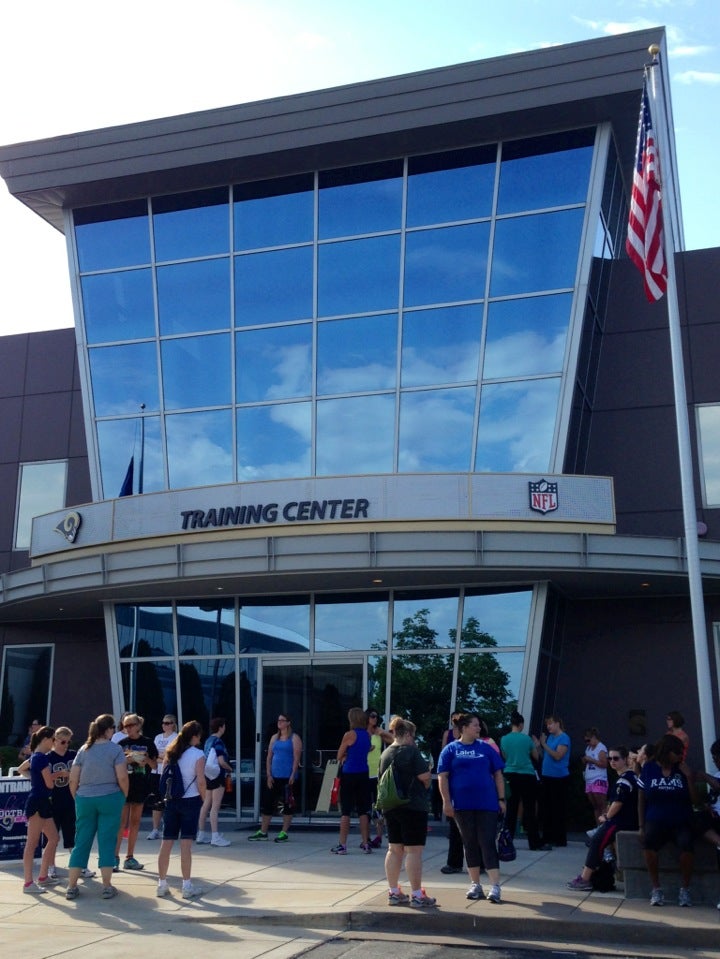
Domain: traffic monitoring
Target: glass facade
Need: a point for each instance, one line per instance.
(404, 316)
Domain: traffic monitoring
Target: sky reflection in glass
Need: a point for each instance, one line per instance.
(274, 364)
(436, 430)
(544, 179)
(504, 616)
(446, 265)
(274, 441)
(526, 336)
(359, 624)
(199, 448)
(112, 236)
(194, 297)
(265, 217)
(191, 224)
(363, 206)
(273, 287)
(118, 440)
(357, 355)
(359, 276)
(355, 435)
(441, 346)
(124, 377)
(455, 193)
(118, 306)
(533, 253)
(517, 421)
(196, 371)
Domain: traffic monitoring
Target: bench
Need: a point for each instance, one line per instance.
(705, 885)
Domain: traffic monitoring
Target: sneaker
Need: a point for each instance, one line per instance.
(192, 892)
(109, 892)
(72, 892)
(494, 895)
(51, 873)
(202, 837)
(282, 836)
(580, 884)
(116, 867)
(683, 897)
(33, 889)
(87, 873)
(339, 850)
(366, 847)
(398, 898)
(475, 891)
(422, 901)
(657, 897)
(154, 834)
(258, 836)
(48, 881)
(162, 890)
(451, 870)
(132, 863)
(220, 840)
(376, 843)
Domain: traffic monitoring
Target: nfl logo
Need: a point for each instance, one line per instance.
(543, 496)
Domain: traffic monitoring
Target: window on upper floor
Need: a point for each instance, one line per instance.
(708, 431)
(41, 489)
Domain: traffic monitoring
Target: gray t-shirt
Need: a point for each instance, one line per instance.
(97, 768)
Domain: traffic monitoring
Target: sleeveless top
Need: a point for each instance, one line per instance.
(356, 758)
(282, 758)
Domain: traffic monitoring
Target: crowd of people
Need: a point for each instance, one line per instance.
(98, 794)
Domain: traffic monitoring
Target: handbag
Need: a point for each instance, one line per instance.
(505, 845)
(335, 791)
(289, 798)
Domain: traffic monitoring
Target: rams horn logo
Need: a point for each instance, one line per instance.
(70, 526)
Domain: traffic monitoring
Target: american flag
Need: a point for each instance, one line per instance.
(645, 242)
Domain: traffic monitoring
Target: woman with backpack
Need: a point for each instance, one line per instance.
(217, 766)
(181, 815)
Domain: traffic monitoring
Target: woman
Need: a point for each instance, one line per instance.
(595, 762)
(520, 755)
(455, 854)
(622, 813)
(99, 783)
(217, 767)
(665, 809)
(61, 759)
(352, 756)
(674, 722)
(473, 789)
(407, 825)
(281, 769)
(162, 741)
(379, 738)
(38, 812)
(555, 779)
(181, 815)
(141, 757)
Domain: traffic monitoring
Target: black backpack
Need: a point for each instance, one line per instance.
(171, 783)
(603, 879)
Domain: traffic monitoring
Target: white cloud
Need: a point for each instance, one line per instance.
(688, 50)
(704, 77)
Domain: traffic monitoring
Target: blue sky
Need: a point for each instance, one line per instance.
(84, 64)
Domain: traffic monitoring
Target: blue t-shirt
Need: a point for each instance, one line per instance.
(667, 798)
(470, 768)
(556, 768)
(38, 789)
(356, 758)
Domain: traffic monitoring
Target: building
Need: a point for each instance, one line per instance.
(395, 415)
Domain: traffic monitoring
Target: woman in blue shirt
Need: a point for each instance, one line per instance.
(555, 778)
(354, 781)
(38, 812)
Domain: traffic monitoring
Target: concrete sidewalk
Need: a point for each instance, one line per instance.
(277, 900)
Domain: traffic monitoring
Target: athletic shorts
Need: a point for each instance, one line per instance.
(658, 834)
(354, 794)
(406, 827)
(216, 783)
(597, 786)
(180, 818)
(36, 805)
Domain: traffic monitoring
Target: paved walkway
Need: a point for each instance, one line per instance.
(277, 900)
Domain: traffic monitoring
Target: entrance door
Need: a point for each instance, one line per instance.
(317, 697)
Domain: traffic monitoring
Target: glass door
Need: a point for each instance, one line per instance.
(316, 696)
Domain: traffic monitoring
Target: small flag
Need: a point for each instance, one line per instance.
(645, 242)
(127, 487)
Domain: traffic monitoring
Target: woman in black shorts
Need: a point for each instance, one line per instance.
(38, 812)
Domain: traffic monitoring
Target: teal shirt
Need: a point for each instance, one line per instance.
(517, 748)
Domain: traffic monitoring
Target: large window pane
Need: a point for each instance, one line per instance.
(541, 173)
(355, 435)
(533, 253)
(441, 346)
(517, 421)
(144, 631)
(488, 684)
(421, 689)
(26, 685)
(123, 378)
(450, 186)
(41, 489)
(496, 619)
(446, 265)
(191, 224)
(708, 420)
(273, 213)
(118, 441)
(526, 336)
(366, 199)
(283, 627)
(274, 364)
(357, 355)
(359, 276)
(199, 448)
(207, 628)
(196, 371)
(193, 297)
(353, 622)
(118, 306)
(149, 689)
(424, 620)
(272, 287)
(436, 430)
(207, 689)
(273, 442)
(112, 236)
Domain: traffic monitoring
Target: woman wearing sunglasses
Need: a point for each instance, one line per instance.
(163, 739)
(61, 759)
(379, 739)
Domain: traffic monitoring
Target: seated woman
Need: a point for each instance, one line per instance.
(622, 813)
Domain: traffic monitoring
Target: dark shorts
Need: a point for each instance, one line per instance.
(658, 834)
(354, 794)
(406, 827)
(217, 783)
(64, 817)
(138, 788)
(41, 806)
(273, 800)
(704, 821)
(181, 818)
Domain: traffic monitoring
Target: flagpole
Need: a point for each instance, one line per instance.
(141, 465)
(697, 606)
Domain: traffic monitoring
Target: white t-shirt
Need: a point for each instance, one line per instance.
(592, 772)
(187, 763)
(161, 744)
